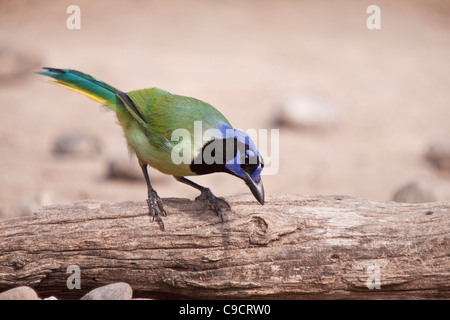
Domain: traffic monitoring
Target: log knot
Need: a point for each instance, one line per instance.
(264, 228)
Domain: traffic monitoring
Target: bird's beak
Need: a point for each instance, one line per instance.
(256, 187)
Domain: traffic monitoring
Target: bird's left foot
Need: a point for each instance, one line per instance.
(213, 202)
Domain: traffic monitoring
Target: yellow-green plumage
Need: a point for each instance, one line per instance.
(163, 113)
(149, 131)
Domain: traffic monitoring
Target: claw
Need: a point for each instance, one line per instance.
(213, 202)
(156, 208)
(225, 202)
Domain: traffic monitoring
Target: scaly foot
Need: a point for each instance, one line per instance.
(156, 208)
(213, 202)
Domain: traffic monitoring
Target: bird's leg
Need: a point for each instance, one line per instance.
(208, 196)
(155, 205)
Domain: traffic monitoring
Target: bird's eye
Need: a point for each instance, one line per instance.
(247, 159)
(251, 163)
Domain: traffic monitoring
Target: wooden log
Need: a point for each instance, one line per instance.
(296, 247)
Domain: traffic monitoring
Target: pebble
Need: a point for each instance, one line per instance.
(77, 145)
(438, 153)
(19, 293)
(115, 291)
(423, 191)
(122, 167)
(306, 112)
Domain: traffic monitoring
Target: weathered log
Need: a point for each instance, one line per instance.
(316, 247)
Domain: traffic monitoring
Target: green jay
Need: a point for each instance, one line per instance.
(149, 117)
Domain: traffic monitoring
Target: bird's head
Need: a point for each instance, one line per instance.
(233, 152)
(247, 163)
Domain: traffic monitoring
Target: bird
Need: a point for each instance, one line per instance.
(150, 117)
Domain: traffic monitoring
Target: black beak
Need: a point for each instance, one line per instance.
(256, 187)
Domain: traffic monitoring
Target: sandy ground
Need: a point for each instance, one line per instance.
(390, 86)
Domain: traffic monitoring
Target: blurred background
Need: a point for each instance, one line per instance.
(361, 112)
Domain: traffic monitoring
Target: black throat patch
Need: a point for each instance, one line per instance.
(214, 156)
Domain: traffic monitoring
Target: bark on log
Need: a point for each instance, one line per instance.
(314, 247)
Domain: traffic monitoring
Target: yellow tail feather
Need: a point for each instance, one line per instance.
(83, 92)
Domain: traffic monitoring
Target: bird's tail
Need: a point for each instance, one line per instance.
(84, 84)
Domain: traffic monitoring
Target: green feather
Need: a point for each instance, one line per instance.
(164, 112)
(148, 117)
(84, 84)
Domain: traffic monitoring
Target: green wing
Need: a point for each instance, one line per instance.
(161, 112)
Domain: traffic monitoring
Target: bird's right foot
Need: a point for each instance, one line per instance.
(156, 208)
